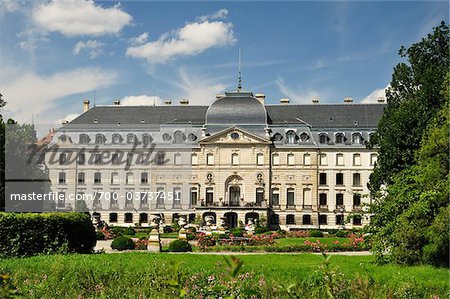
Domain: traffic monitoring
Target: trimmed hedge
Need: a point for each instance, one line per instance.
(29, 234)
(180, 246)
(122, 243)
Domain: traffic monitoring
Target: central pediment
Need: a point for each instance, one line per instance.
(234, 135)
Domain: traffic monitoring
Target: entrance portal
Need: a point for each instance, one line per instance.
(231, 219)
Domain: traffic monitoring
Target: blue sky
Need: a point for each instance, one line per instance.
(56, 53)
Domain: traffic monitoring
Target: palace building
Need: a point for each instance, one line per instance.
(296, 166)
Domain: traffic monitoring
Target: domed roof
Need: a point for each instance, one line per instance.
(236, 108)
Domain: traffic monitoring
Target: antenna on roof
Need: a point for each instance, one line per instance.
(154, 95)
(94, 97)
(239, 87)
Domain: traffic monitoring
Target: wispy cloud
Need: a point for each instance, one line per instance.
(93, 47)
(78, 18)
(218, 15)
(139, 40)
(192, 39)
(373, 97)
(300, 97)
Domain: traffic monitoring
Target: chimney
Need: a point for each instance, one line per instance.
(315, 100)
(348, 100)
(260, 97)
(86, 105)
(184, 102)
(219, 96)
(64, 122)
(284, 101)
(168, 102)
(380, 100)
(116, 102)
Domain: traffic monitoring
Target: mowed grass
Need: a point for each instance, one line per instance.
(67, 275)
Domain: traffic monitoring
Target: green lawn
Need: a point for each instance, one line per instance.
(133, 274)
(296, 241)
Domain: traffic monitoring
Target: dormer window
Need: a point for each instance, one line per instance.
(339, 138)
(323, 138)
(146, 139)
(166, 137)
(131, 139)
(291, 137)
(116, 139)
(304, 137)
(192, 137)
(178, 137)
(63, 138)
(277, 137)
(357, 138)
(84, 139)
(100, 139)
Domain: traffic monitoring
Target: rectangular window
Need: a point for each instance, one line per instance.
(194, 159)
(61, 199)
(194, 196)
(356, 199)
(129, 198)
(177, 159)
(340, 160)
(275, 197)
(290, 159)
(259, 196)
(81, 159)
(114, 178)
(129, 159)
(177, 197)
(323, 159)
(81, 178)
(209, 196)
(97, 178)
(143, 197)
(339, 219)
(322, 178)
(98, 159)
(307, 197)
(144, 178)
(276, 159)
(260, 159)
(130, 179)
(339, 199)
(113, 197)
(356, 179)
(306, 159)
(62, 159)
(290, 195)
(323, 199)
(373, 159)
(97, 198)
(210, 159)
(339, 179)
(115, 159)
(62, 178)
(235, 159)
(356, 159)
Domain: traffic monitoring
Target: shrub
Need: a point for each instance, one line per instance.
(204, 241)
(260, 230)
(168, 229)
(237, 232)
(100, 235)
(192, 229)
(180, 246)
(120, 231)
(29, 234)
(342, 233)
(122, 243)
(315, 233)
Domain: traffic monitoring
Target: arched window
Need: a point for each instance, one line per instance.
(84, 139)
(357, 138)
(116, 139)
(192, 137)
(277, 137)
(339, 138)
(323, 219)
(62, 159)
(146, 139)
(323, 138)
(291, 137)
(100, 139)
(290, 219)
(304, 137)
(306, 220)
(178, 137)
(131, 139)
(166, 137)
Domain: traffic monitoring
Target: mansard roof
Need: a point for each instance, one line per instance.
(316, 115)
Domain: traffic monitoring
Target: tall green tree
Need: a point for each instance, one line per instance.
(413, 99)
(2, 156)
(411, 214)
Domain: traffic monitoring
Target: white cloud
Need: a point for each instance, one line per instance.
(304, 97)
(75, 18)
(8, 6)
(139, 40)
(220, 14)
(32, 93)
(93, 46)
(141, 100)
(373, 97)
(200, 90)
(192, 39)
(68, 117)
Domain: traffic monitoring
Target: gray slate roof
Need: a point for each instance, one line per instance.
(317, 115)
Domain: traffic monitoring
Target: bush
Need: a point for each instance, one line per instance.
(100, 235)
(122, 243)
(120, 231)
(180, 246)
(29, 234)
(167, 229)
(315, 233)
(342, 233)
(237, 232)
(260, 230)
